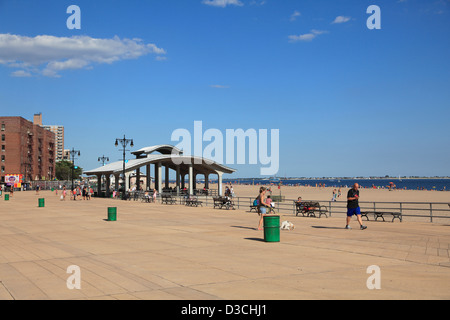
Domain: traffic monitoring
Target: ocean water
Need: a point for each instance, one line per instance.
(408, 184)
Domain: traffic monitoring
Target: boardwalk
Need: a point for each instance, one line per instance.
(158, 251)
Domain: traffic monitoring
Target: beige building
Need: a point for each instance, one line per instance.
(59, 135)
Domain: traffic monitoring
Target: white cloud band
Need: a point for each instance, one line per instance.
(49, 55)
(222, 3)
(307, 36)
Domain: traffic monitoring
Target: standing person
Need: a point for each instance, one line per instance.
(64, 193)
(262, 206)
(353, 206)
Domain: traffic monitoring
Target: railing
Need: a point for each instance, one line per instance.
(417, 211)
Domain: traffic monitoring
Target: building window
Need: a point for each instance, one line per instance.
(3, 147)
(3, 169)
(3, 127)
(3, 158)
(3, 137)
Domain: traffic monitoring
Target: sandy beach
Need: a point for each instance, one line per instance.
(326, 193)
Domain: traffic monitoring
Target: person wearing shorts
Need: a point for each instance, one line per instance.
(353, 207)
(262, 206)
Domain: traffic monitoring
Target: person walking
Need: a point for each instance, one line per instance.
(262, 206)
(353, 206)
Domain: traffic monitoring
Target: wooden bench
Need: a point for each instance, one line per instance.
(310, 208)
(168, 199)
(380, 214)
(223, 202)
(193, 202)
(146, 198)
(270, 210)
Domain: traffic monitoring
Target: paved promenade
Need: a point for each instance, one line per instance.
(158, 251)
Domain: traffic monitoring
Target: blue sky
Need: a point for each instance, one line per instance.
(348, 101)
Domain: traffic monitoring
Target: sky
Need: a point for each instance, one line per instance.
(347, 100)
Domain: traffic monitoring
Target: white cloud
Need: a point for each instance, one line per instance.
(48, 55)
(258, 3)
(222, 3)
(307, 36)
(21, 74)
(219, 86)
(341, 19)
(295, 15)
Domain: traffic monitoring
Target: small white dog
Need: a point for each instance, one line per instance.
(286, 225)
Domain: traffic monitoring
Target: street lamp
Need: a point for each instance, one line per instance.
(73, 153)
(124, 142)
(103, 160)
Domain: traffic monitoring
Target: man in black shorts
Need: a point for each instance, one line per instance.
(353, 206)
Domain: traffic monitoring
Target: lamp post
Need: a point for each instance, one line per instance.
(102, 159)
(124, 142)
(73, 153)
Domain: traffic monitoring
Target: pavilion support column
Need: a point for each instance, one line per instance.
(178, 180)
(99, 184)
(127, 181)
(219, 184)
(206, 181)
(138, 179)
(183, 181)
(166, 178)
(149, 178)
(156, 176)
(191, 179)
(117, 181)
(159, 174)
(108, 185)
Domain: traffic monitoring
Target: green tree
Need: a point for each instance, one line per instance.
(64, 171)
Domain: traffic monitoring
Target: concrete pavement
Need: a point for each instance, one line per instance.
(166, 252)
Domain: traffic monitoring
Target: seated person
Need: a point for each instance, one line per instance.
(269, 202)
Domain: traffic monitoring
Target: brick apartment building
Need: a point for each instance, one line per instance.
(26, 148)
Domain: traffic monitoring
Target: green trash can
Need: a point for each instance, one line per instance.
(271, 228)
(6, 197)
(41, 203)
(112, 214)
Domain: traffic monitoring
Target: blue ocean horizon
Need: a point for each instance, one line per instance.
(438, 184)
